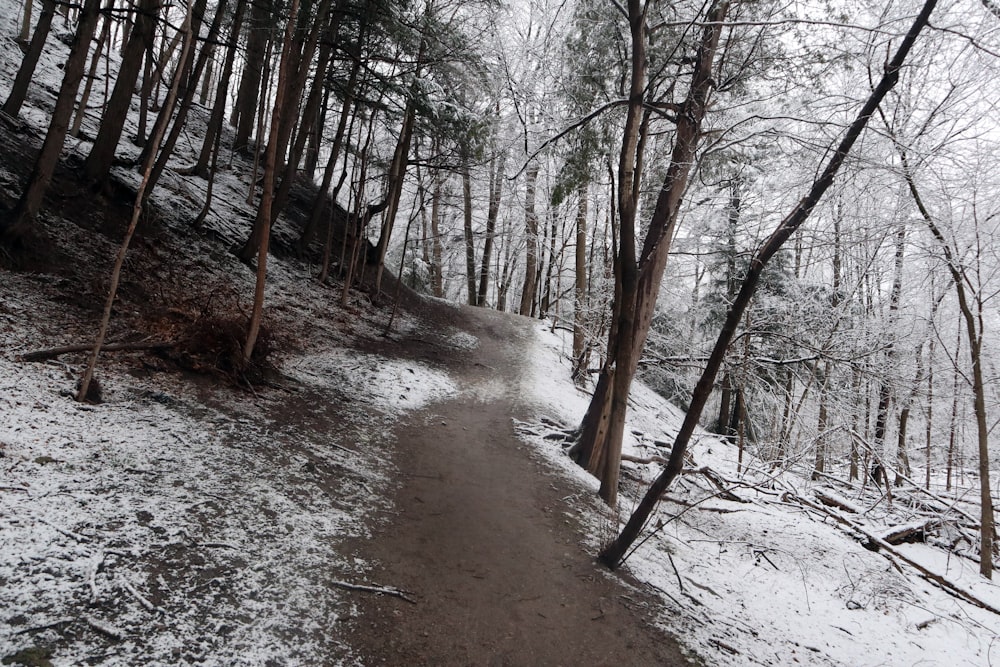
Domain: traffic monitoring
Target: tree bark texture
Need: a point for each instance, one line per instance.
(116, 270)
(250, 84)
(640, 278)
(531, 241)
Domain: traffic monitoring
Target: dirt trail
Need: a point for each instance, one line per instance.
(479, 535)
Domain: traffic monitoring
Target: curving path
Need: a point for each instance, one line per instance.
(479, 535)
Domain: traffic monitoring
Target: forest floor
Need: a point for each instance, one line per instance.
(192, 517)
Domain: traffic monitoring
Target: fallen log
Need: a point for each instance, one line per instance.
(911, 532)
(53, 352)
(831, 499)
(893, 554)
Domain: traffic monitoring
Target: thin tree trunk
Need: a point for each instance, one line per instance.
(639, 279)
(437, 251)
(953, 420)
(12, 106)
(580, 285)
(26, 22)
(88, 374)
(252, 82)
(470, 242)
(338, 141)
(95, 61)
(211, 183)
(270, 167)
(616, 551)
(885, 387)
(972, 315)
(140, 41)
(496, 185)
(186, 95)
(308, 116)
(531, 241)
(222, 89)
(24, 214)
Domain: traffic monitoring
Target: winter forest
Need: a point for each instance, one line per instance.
(780, 217)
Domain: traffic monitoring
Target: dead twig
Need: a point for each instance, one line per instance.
(67, 533)
(105, 628)
(149, 606)
(383, 590)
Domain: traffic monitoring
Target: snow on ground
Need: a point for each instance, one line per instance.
(767, 581)
(176, 524)
(388, 384)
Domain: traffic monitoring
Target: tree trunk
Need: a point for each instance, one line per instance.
(614, 553)
(397, 173)
(95, 61)
(972, 315)
(26, 22)
(580, 285)
(140, 40)
(531, 241)
(470, 241)
(308, 116)
(189, 85)
(222, 89)
(250, 85)
(338, 140)
(640, 280)
(822, 424)
(12, 106)
(496, 185)
(270, 167)
(437, 251)
(24, 214)
(88, 374)
(885, 386)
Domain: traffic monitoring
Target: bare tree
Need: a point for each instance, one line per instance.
(88, 374)
(45, 165)
(12, 106)
(613, 554)
(267, 195)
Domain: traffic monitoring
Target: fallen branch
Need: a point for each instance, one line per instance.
(92, 577)
(893, 554)
(383, 590)
(105, 628)
(720, 483)
(149, 606)
(685, 503)
(644, 461)
(67, 533)
(51, 353)
(46, 626)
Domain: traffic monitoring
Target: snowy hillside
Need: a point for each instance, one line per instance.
(760, 570)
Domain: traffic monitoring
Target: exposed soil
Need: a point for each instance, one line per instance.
(481, 539)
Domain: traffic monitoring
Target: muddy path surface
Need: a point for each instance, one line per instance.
(480, 537)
